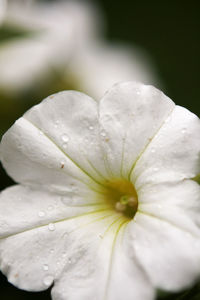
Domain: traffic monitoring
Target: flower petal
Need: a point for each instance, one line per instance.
(130, 115)
(82, 254)
(56, 142)
(23, 208)
(165, 234)
(177, 203)
(105, 271)
(174, 153)
(32, 223)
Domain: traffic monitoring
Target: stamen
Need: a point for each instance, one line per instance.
(120, 207)
(133, 202)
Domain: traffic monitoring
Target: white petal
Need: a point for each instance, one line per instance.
(106, 270)
(130, 115)
(23, 208)
(80, 249)
(36, 230)
(98, 66)
(56, 143)
(165, 234)
(174, 153)
(177, 203)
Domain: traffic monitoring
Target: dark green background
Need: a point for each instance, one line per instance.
(170, 32)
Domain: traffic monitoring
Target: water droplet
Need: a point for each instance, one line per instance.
(155, 169)
(50, 207)
(48, 280)
(152, 150)
(69, 260)
(51, 251)
(183, 130)
(103, 133)
(46, 267)
(65, 145)
(56, 124)
(91, 127)
(67, 200)
(41, 214)
(137, 92)
(65, 138)
(51, 227)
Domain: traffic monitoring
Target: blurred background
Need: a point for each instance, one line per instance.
(48, 46)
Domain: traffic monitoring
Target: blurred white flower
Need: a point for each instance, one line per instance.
(57, 29)
(100, 65)
(67, 36)
(2, 10)
(106, 207)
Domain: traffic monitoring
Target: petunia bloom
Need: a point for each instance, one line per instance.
(52, 32)
(66, 38)
(106, 205)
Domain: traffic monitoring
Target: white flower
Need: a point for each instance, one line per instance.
(106, 206)
(66, 38)
(56, 30)
(99, 65)
(2, 9)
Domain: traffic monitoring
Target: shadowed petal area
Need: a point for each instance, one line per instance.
(130, 116)
(173, 154)
(165, 234)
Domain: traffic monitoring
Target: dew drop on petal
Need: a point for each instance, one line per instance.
(51, 227)
(155, 169)
(183, 130)
(46, 267)
(103, 133)
(91, 127)
(65, 138)
(50, 207)
(137, 92)
(69, 260)
(48, 280)
(67, 200)
(65, 145)
(56, 124)
(41, 214)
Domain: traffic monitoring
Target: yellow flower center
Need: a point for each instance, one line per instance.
(123, 196)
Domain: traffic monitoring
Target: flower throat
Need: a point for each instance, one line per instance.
(123, 196)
